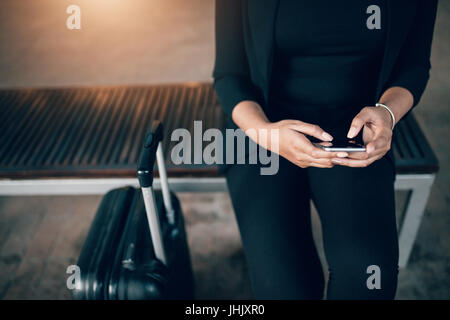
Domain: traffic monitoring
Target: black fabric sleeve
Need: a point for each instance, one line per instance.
(413, 64)
(232, 81)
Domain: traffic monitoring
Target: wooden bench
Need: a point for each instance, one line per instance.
(87, 141)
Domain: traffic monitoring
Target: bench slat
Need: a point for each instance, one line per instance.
(421, 158)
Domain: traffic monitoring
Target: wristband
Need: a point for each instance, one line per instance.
(390, 112)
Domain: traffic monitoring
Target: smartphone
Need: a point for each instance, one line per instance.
(341, 146)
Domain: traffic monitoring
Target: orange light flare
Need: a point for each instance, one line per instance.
(122, 19)
(124, 10)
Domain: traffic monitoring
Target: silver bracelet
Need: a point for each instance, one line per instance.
(390, 112)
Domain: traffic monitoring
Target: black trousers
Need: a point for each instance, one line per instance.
(357, 213)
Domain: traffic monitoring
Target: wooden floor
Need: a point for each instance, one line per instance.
(37, 244)
(41, 236)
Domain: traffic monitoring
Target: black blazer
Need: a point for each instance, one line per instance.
(245, 47)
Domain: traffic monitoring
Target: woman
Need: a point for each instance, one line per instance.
(326, 69)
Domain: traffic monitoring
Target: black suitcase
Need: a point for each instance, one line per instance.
(136, 247)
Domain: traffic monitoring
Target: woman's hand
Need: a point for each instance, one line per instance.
(298, 149)
(376, 123)
(291, 142)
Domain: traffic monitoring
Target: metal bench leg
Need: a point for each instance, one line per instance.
(421, 187)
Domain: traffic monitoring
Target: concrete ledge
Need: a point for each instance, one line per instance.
(101, 186)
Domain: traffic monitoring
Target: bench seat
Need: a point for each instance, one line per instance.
(96, 132)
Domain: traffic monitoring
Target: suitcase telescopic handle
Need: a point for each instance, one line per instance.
(152, 150)
(148, 156)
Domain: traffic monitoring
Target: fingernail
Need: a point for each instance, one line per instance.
(352, 132)
(327, 136)
(342, 154)
(336, 161)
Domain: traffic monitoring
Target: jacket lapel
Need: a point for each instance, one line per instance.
(399, 17)
(261, 15)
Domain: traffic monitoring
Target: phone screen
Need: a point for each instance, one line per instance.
(341, 145)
